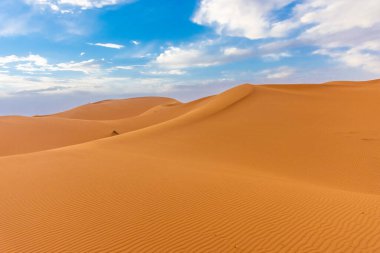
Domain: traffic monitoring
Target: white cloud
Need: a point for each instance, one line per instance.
(370, 45)
(123, 68)
(82, 53)
(85, 67)
(107, 45)
(276, 56)
(200, 54)
(355, 57)
(11, 85)
(175, 72)
(99, 82)
(234, 51)
(34, 59)
(37, 63)
(346, 30)
(135, 42)
(255, 19)
(278, 73)
(175, 57)
(62, 5)
(328, 16)
(252, 19)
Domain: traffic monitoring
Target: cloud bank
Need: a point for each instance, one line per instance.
(345, 30)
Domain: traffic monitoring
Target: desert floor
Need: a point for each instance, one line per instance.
(258, 168)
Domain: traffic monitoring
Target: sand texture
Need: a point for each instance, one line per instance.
(257, 168)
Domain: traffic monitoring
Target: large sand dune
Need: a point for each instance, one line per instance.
(272, 168)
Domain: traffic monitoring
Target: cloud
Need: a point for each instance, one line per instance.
(107, 45)
(176, 57)
(34, 59)
(276, 56)
(255, 19)
(39, 91)
(353, 41)
(36, 63)
(278, 73)
(329, 17)
(176, 72)
(11, 26)
(355, 57)
(64, 5)
(123, 68)
(346, 30)
(11, 85)
(204, 53)
(22, 17)
(135, 42)
(252, 19)
(234, 51)
(86, 67)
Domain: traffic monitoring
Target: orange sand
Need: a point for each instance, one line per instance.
(286, 168)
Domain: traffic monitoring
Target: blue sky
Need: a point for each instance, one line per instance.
(55, 54)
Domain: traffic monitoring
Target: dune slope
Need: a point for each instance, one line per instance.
(290, 168)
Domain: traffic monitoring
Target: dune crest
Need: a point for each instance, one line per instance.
(257, 168)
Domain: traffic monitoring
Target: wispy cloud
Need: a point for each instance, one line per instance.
(34, 59)
(65, 6)
(176, 57)
(122, 68)
(276, 56)
(22, 18)
(234, 51)
(135, 42)
(355, 57)
(278, 73)
(36, 63)
(204, 53)
(107, 45)
(175, 72)
(11, 85)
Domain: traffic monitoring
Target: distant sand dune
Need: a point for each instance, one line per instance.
(272, 168)
(114, 109)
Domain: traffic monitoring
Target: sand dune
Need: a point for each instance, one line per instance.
(31, 134)
(115, 109)
(272, 168)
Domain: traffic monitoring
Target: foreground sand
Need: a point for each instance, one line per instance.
(291, 168)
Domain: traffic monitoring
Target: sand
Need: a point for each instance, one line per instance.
(258, 168)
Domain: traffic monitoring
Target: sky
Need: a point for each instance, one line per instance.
(56, 54)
